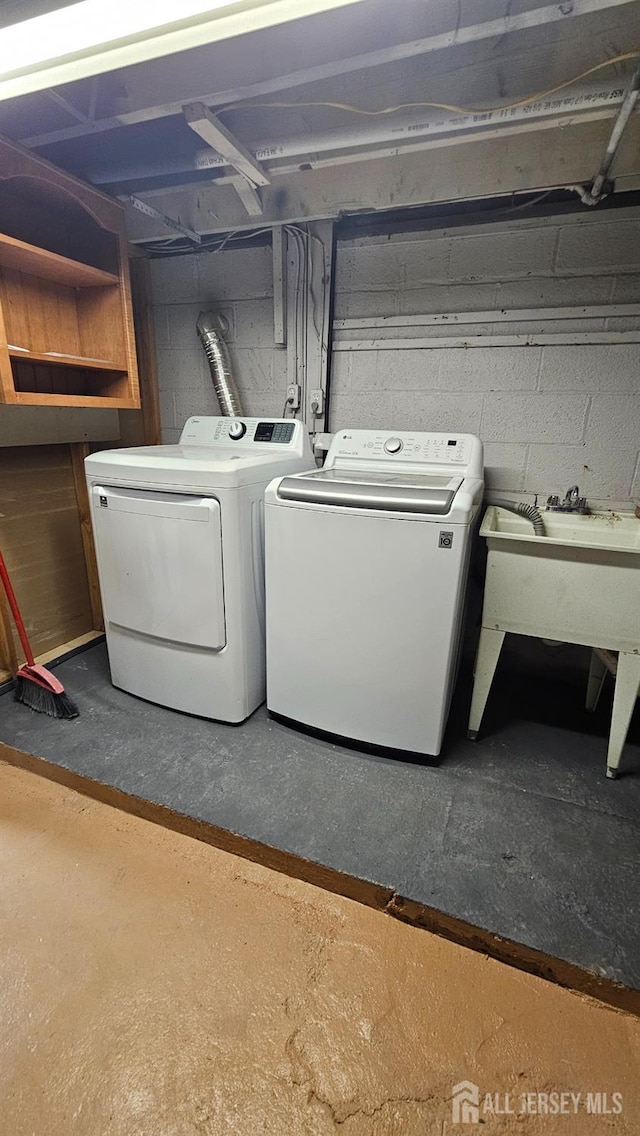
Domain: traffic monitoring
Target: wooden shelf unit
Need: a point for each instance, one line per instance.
(50, 265)
(55, 358)
(66, 324)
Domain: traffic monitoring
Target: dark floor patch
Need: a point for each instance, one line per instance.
(519, 833)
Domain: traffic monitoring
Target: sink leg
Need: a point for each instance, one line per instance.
(489, 649)
(624, 700)
(597, 675)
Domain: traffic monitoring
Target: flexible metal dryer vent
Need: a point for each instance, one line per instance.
(210, 331)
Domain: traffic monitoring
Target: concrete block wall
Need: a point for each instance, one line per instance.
(237, 283)
(549, 416)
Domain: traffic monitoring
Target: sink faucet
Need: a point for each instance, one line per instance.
(572, 503)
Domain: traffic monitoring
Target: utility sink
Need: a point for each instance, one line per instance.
(579, 583)
(609, 530)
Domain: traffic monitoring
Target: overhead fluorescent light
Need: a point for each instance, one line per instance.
(92, 37)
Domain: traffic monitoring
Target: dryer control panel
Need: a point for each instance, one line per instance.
(246, 432)
(462, 452)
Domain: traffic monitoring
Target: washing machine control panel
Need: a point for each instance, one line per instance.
(244, 431)
(457, 450)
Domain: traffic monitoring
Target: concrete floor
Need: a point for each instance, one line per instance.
(520, 835)
(154, 985)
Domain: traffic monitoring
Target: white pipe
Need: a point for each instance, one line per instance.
(416, 125)
(593, 195)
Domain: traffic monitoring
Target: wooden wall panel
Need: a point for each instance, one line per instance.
(41, 538)
(40, 315)
(78, 454)
(142, 427)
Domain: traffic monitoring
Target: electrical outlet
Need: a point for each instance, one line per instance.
(317, 402)
(293, 396)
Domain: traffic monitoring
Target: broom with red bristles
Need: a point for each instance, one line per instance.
(35, 685)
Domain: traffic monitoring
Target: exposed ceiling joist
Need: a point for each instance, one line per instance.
(341, 159)
(469, 34)
(211, 130)
(89, 38)
(317, 150)
(56, 97)
(500, 165)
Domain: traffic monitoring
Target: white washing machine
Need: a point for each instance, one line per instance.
(366, 571)
(179, 543)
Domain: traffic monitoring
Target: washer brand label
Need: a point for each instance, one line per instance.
(446, 539)
(104, 501)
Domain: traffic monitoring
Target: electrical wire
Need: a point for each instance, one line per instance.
(529, 204)
(298, 329)
(290, 230)
(307, 236)
(171, 246)
(452, 107)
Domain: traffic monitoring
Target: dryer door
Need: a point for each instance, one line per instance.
(160, 563)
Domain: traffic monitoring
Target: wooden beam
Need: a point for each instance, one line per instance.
(562, 157)
(79, 451)
(65, 648)
(211, 130)
(249, 196)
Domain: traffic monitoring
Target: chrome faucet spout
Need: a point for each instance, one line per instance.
(572, 503)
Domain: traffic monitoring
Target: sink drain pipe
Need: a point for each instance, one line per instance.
(530, 512)
(210, 331)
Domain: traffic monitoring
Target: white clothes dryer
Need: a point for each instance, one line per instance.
(179, 544)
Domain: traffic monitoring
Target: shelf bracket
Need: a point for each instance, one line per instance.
(162, 217)
(212, 131)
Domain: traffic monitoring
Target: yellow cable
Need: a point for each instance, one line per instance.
(445, 106)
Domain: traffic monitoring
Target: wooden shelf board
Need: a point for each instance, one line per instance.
(55, 359)
(32, 398)
(57, 652)
(51, 266)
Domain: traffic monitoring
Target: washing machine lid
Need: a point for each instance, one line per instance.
(405, 492)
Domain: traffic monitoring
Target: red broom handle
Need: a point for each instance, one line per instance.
(15, 610)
